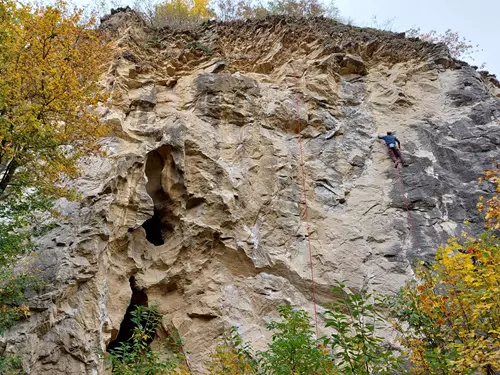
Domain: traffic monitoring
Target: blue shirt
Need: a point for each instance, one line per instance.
(389, 139)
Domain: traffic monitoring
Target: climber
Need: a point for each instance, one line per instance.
(394, 150)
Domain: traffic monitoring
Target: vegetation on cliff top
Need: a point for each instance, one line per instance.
(187, 14)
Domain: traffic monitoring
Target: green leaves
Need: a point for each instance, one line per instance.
(21, 218)
(11, 365)
(293, 348)
(355, 345)
(134, 357)
(50, 63)
(352, 349)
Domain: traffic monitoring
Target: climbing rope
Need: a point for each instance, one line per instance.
(304, 199)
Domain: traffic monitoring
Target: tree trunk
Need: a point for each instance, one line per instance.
(8, 174)
(490, 371)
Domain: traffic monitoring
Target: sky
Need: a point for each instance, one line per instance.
(476, 20)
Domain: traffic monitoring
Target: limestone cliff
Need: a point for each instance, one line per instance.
(198, 208)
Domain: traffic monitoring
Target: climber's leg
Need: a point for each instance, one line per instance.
(393, 157)
(398, 154)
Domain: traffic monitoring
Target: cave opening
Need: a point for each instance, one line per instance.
(153, 228)
(166, 188)
(139, 298)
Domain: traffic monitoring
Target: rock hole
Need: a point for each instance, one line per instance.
(165, 185)
(194, 202)
(139, 298)
(152, 227)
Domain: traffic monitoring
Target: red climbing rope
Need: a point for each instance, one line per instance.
(304, 197)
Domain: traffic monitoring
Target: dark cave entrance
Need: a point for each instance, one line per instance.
(153, 228)
(139, 298)
(165, 185)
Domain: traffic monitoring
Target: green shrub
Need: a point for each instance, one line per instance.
(134, 357)
(293, 348)
(355, 345)
(11, 365)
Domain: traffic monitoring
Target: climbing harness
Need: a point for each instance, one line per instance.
(304, 199)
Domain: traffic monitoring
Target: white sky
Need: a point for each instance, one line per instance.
(475, 20)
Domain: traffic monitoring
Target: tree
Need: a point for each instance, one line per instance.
(459, 47)
(232, 9)
(293, 348)
(491, 207)
(355, 345)
(50, 63)
(302, 8)
(353, 348)
(20, 220)
(181, 14)
(453, 310)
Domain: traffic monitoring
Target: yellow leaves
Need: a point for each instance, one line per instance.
(469, 278)
(182, 13)
(25, 310)
(50, 68)
(200, 9)
(230, 358)
(460, 298)
(491, 207)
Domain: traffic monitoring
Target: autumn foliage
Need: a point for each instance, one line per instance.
(491, 207)
(181, 14)
(459, 47)
(244, 9)
(50, 63)
(232, 357)
(186, 14)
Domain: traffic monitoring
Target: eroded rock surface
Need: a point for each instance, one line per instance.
(198, 206)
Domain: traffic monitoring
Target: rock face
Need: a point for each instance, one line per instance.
(198, 208)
